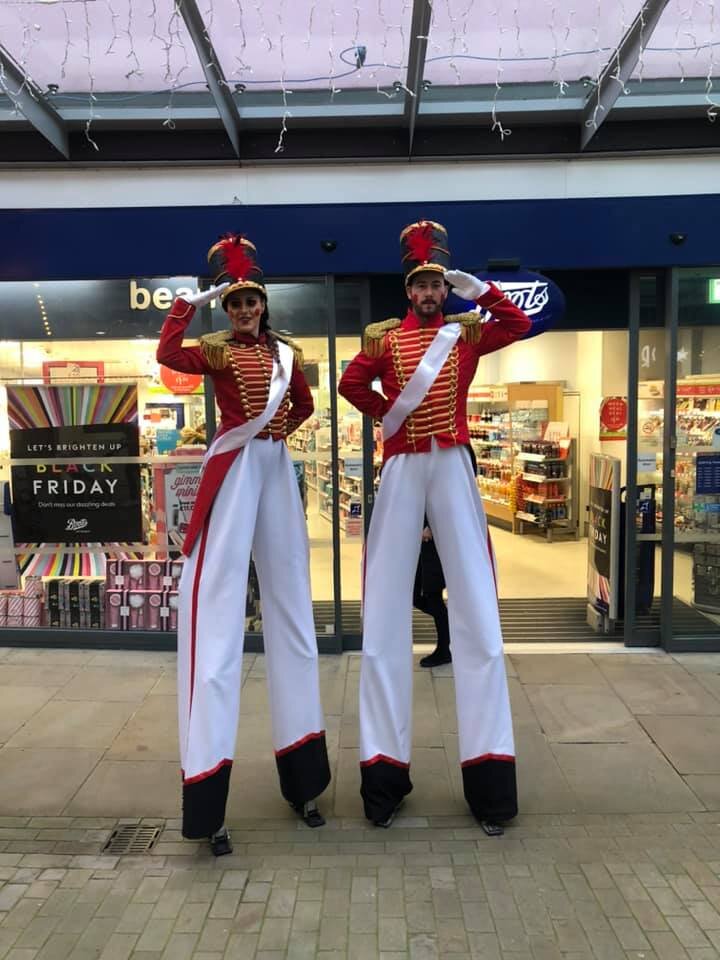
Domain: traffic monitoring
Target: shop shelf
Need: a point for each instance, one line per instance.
(537, 457)
(533, 498)
(527, 517)
(534, 478)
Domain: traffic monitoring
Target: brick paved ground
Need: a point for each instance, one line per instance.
(615, 856)
(573, 887)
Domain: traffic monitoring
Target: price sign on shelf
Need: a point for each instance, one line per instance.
(557, 430)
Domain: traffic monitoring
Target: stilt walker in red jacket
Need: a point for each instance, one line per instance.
(426, 363)
(248, 501)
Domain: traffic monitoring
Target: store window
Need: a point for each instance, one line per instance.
(100, 452)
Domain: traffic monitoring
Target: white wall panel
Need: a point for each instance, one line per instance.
(358, 183)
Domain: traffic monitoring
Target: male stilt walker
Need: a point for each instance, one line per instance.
(426, 363)
(248, 500)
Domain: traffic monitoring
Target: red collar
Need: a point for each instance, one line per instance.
(413, 322)
(248, 338)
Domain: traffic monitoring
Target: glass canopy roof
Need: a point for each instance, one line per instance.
(279, 60)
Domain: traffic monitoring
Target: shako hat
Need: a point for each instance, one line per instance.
(233, 260)
(424, 246)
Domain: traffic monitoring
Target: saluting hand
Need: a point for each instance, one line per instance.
(466, 285)
(202, 297)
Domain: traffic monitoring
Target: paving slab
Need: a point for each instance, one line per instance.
(542, 785)
(659, 690)
(623, 778)
(126, 788)
(151, 733)
(691, 744)
(707, 789)
(82, 723)
(109, 683)
(575, 713)
(18, 705)
(545, 668)
(41, 781)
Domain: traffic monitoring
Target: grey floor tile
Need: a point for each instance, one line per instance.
(72, 724)
(585, 714)
(42, 781)
(126, 788)
(623, 778)
(689, 743)
(558, 668)
(659, 690)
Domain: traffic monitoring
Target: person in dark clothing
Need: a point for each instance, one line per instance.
(428, 598)
(428, 591)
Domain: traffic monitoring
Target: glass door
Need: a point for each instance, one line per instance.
(696, 489)
(672, 548)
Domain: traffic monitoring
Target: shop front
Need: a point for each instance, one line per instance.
(101, 450)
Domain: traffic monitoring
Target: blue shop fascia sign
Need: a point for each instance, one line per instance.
(541, 299)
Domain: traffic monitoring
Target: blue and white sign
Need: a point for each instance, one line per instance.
(541, 299)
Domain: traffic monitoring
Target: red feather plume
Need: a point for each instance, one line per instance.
(237, 263)
(420, 243)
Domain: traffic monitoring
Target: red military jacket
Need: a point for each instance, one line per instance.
(241, 370)
(393, 350)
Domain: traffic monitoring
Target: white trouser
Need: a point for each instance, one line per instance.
(258, 508)
(441, 484)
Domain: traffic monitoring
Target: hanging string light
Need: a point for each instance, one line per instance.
(286, 112)
(497, 125)
(136, 70)
(713, 104)
(91, 79)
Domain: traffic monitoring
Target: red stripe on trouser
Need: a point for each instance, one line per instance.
(207, 773)
(487, 756)
(300, 743)
(382, 758)
(193, 621)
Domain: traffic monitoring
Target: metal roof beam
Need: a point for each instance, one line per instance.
(419, 31)
(619, 68)
(27, 97)
(214, 75)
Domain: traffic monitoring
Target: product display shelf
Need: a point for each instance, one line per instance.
(545, 497)
(697, 499)
(302, 439)
(350, 489)
(490, 430)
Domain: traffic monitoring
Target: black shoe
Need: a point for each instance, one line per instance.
(387, 821)
(437, 658)
(310, 813)
(492, 829)
(220, 843)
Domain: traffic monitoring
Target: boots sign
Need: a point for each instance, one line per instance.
(541, 299)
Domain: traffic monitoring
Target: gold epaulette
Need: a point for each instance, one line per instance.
(214, 348)
(296, 349)
(471, 325)
(373, 342)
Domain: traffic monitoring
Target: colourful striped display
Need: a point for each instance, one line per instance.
(70, 406)
(62, 564)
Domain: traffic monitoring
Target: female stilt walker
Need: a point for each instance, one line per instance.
(248, 502)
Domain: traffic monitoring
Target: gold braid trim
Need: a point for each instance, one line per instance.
(214, 348)
(471, 326)
(296, 348)
(373, 342)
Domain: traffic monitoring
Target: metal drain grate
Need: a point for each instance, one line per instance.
(131, 838)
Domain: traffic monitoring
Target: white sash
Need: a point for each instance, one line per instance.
(424, 376)
(240, 436)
